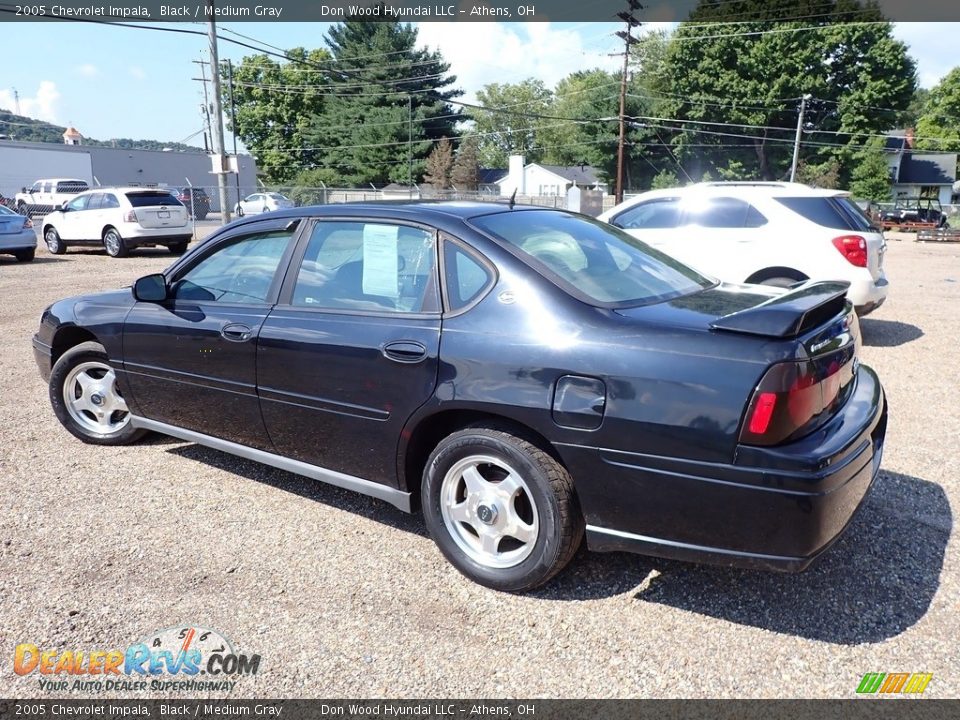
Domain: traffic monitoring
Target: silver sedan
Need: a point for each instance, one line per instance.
(17, 236)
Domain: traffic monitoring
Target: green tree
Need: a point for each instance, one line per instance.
(510, 124)
(750, 76)
(274, 101)
(387, 105)
(465, 174)
(439, 165)
(938, 128)
(870, 179)
(664, 179)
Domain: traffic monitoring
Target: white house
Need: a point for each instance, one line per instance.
(537, 179)
(918, 174)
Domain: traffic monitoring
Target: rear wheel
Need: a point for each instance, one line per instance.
(25, 255)
(86, 399)
(54, 244)
(500, 509)
(177, 248)
(114, 244)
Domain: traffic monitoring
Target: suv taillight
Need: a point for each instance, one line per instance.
(792, 395)
(853, 248)
(130, 216)
(27, 223)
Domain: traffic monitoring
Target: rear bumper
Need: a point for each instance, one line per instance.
(868, 294)
(18, 241)
(772, 508)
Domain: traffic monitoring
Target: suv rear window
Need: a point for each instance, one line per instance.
(830, 212)
(147, 199)
(591, 260)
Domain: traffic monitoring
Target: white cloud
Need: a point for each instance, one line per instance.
(87, 70)
(933, 46)
(482, 53)
(137, 72)
(42, 106)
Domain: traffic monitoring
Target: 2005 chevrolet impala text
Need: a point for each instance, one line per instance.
(526, 376)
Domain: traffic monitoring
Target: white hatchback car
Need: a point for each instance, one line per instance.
(763, 232)
(119, 219)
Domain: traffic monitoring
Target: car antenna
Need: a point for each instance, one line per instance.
(513, 198)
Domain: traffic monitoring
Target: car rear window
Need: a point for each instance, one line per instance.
(591, 260)
(836, 213)
(149, 198)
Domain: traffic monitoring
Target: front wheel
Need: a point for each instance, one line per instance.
(501, 510)
(53, 242)
(86, 399)
(114, 244)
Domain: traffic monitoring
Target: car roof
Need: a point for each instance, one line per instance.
(411, 209)
(126, 189)
(743, 189)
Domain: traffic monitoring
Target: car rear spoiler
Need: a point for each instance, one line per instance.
(791, 314)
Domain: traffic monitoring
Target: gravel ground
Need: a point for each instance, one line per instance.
(344, 596)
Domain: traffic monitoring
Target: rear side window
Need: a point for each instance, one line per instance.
(109, 201)
(724, 213)
(465, 277)
(148, 199)
(654, 214)
(828, 212)
(71, 186)
(94, 202)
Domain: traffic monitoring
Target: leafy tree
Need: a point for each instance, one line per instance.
(750, 75)
(511, 125)
(823, 175)
(465, 174)
(870, 179)
(938, 128)
(439, 165)
(387, 105)
(916, 109)
(664, 179)
(273, 103)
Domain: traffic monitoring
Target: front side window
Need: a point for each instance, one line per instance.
(79, 203)
(95, 202)
(368, 266)
(109, 201)
(651, 215)
(239, 272)
(591, 260)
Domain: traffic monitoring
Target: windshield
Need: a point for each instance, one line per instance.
(591, 260)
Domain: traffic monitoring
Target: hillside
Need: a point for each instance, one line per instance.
(18, 127)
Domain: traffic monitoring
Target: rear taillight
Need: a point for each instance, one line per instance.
(27, 223)
(131, 216)
(853, 248)
(792, 395)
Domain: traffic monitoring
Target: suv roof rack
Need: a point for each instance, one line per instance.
(751, 183)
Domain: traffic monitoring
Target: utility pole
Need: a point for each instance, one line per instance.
(796, 142)
(233, 124)
(410, 141)
(218, 147)
(207, 135)
(16, 100)
(628, 39)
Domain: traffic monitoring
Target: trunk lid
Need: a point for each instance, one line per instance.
(11, 224)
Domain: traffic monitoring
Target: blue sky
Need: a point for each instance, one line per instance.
(119, 82)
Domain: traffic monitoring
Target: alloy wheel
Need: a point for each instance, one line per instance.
(92, 399)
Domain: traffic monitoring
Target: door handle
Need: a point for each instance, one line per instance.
(404, 351)
(236, 332)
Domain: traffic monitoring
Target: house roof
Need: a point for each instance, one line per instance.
(491, 175)
(895, 144)
(72, 132)
(928, 169)
(579, 174)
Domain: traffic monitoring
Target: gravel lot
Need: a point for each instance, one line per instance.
(344, 596)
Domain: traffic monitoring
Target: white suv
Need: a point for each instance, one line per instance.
(770, 233)
(120, 219)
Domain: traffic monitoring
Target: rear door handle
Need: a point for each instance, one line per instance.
(404, 351)
(236, 332)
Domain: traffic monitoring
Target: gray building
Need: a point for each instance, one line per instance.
(22, 163)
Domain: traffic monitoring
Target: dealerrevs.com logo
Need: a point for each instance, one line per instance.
(186, 658)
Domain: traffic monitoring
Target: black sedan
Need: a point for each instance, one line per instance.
(526, 376)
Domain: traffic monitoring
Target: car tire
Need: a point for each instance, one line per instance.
(86, 400)
(239, 212)
(114, 244)
(53, 242)
(177, 248)
(25, 255)
(471, 517)
(201, 216)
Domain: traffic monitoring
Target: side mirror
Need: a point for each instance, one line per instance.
(23, 189)
(151, 288)
(64, 206)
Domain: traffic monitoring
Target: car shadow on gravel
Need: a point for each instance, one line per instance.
(12, 261)
(874, 583)
(888, 333)
(353, 502)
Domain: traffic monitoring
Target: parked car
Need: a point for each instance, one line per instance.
(17, 236)
(195, 200)
(776, 234)
(263, 202)
(119, 219)
(524, 375)
(46, 195)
